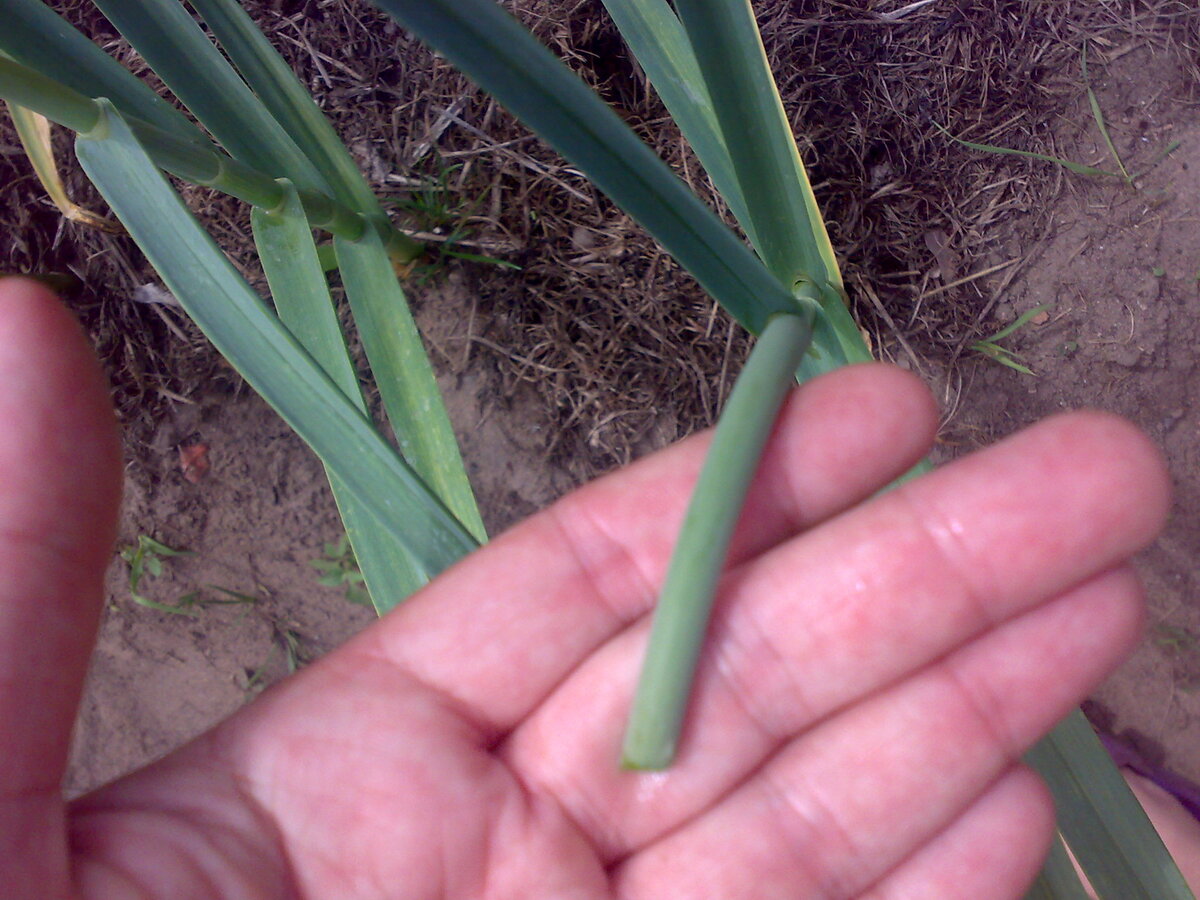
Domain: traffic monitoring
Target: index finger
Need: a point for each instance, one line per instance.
(499, 631)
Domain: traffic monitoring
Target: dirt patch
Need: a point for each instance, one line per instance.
(1118, 270)
(250, 525)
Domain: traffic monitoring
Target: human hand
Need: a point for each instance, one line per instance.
(873, 674)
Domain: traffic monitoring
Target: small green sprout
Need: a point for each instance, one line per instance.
(1173, 638)
(294, 655)
(435, 213)
(991, 347)
(339, 567)
(1078, 168)
(145, 559)
(1098, 116)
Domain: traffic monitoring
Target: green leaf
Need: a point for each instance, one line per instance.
(1020, 322)
(293, 270)
(286, 99)
(404, 375)
(178, 51)
(502, 57)
(757, 134)
(35, 35)
(254, 341)
(1100, 819)
(1098, 116)
(1077, 168)
(656, 38)
(276, 86)
(160, 549)
(206, 165)
(712, 67)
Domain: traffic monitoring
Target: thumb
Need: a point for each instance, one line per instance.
(60, 485)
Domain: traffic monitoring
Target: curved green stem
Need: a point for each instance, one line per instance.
(681, 618)
(204, 166)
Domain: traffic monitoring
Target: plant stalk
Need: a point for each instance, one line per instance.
(186, 160)
(684, 606)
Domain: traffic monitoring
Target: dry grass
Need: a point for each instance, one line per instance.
(617, 340)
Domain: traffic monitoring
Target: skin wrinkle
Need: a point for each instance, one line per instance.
(800, 707)
(615, 555)
(484, 734)
(999, 735)
(1036, 812)
(260, 831)
(827, 823)
(741, 687)
(946, 545)
(793, 517)
(532, 811)
(241, 785)
(817, 817)
(192, 846)
(588, 816)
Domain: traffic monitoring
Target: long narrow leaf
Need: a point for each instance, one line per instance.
(39, 37)
(725, 39)
(35, 35)
(289, 258)
(254, 341)
(404, 376)
(774, 184)
(1077, 168)
(273, 81)
(206, 165)
(507, 61)
(1100, 819)
(657, 39)
(177, 49)
(1098, 116)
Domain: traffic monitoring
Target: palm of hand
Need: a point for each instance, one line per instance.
(868, 688)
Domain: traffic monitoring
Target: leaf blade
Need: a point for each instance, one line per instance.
(404, 375)
(498, 53)
(1100, 819)
(254, 341)
(178, 51)
(36, 36)
(656, 38)
(289, 257)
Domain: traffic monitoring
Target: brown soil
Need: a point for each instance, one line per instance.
(539, 396)
(1119, 270)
